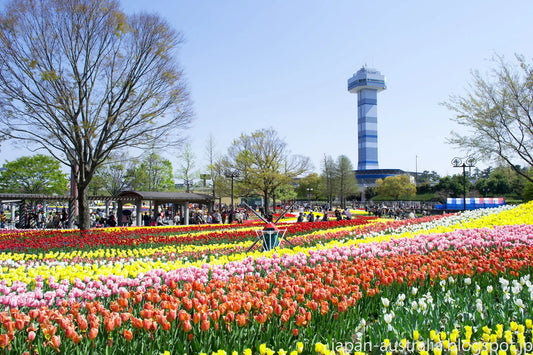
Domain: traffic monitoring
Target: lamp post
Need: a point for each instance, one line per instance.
(309, 192)
(468, 163)
(232, 174)
(205, 177)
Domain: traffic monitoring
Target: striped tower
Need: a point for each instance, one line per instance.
(366, 83)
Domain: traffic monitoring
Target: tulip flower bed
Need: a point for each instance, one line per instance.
(59, 240)
(450, 284)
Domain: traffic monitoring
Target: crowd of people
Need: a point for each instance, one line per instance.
(37, 218)
(197, 215)
(396, 212)
(338, 214)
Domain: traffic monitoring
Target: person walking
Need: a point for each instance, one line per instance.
(2, 220)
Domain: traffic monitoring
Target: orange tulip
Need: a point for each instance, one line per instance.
(109, 325)
(10, 326)
(172, 315)
(76, 339)
(205, 325)
(137, 323)
(93, 333)
(183, 315)
(19, 324)
(4, 340)
(56, 341)
(125, 316)
(128, 335)
(241, 319)
(215, 316)
(187, 327)
(33, 313)
(70, 332)
(147, 324)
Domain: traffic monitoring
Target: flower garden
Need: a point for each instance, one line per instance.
(447, 284)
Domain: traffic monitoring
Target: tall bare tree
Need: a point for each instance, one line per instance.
(328, 178)
(186, 167)
(498, 113)
(112, 175)
(211, 156)
(81, 79)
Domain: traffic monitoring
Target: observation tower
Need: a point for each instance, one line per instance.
(367, 83)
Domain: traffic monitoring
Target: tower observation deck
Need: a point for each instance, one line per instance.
(367, 83)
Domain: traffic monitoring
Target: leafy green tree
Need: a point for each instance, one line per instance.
(481, 186)
(286, 193)
(370, 192)
(516, 181)
(527, 195)
(396, 187)
(264, 163)
(452, 186)
(498, 184)
(346, 184)
(424, 188)
(429, 177)
(308, 184)
(153, 173)
(498, 114)
(37, 174)
(482, 174)
(501, 181)
(81, 79)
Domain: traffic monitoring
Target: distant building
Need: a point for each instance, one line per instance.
(366, 83)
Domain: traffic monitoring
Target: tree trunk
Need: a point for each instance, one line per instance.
(84, 220)
(266, 204)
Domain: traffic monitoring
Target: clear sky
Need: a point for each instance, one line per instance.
(285, 64)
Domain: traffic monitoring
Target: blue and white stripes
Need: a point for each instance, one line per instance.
(366, 83)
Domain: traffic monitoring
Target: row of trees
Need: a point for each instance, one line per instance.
(336, 180)
(261, 166)
(260, 163)
(501, 181)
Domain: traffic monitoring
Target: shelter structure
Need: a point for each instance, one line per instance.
(182, 199)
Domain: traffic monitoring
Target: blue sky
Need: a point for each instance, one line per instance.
(285, 64)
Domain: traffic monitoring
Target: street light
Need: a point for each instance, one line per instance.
(205, 177)
(232, 174)
(309, 192)
(468, 163)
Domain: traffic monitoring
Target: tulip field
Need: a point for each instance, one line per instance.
(447, 284)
